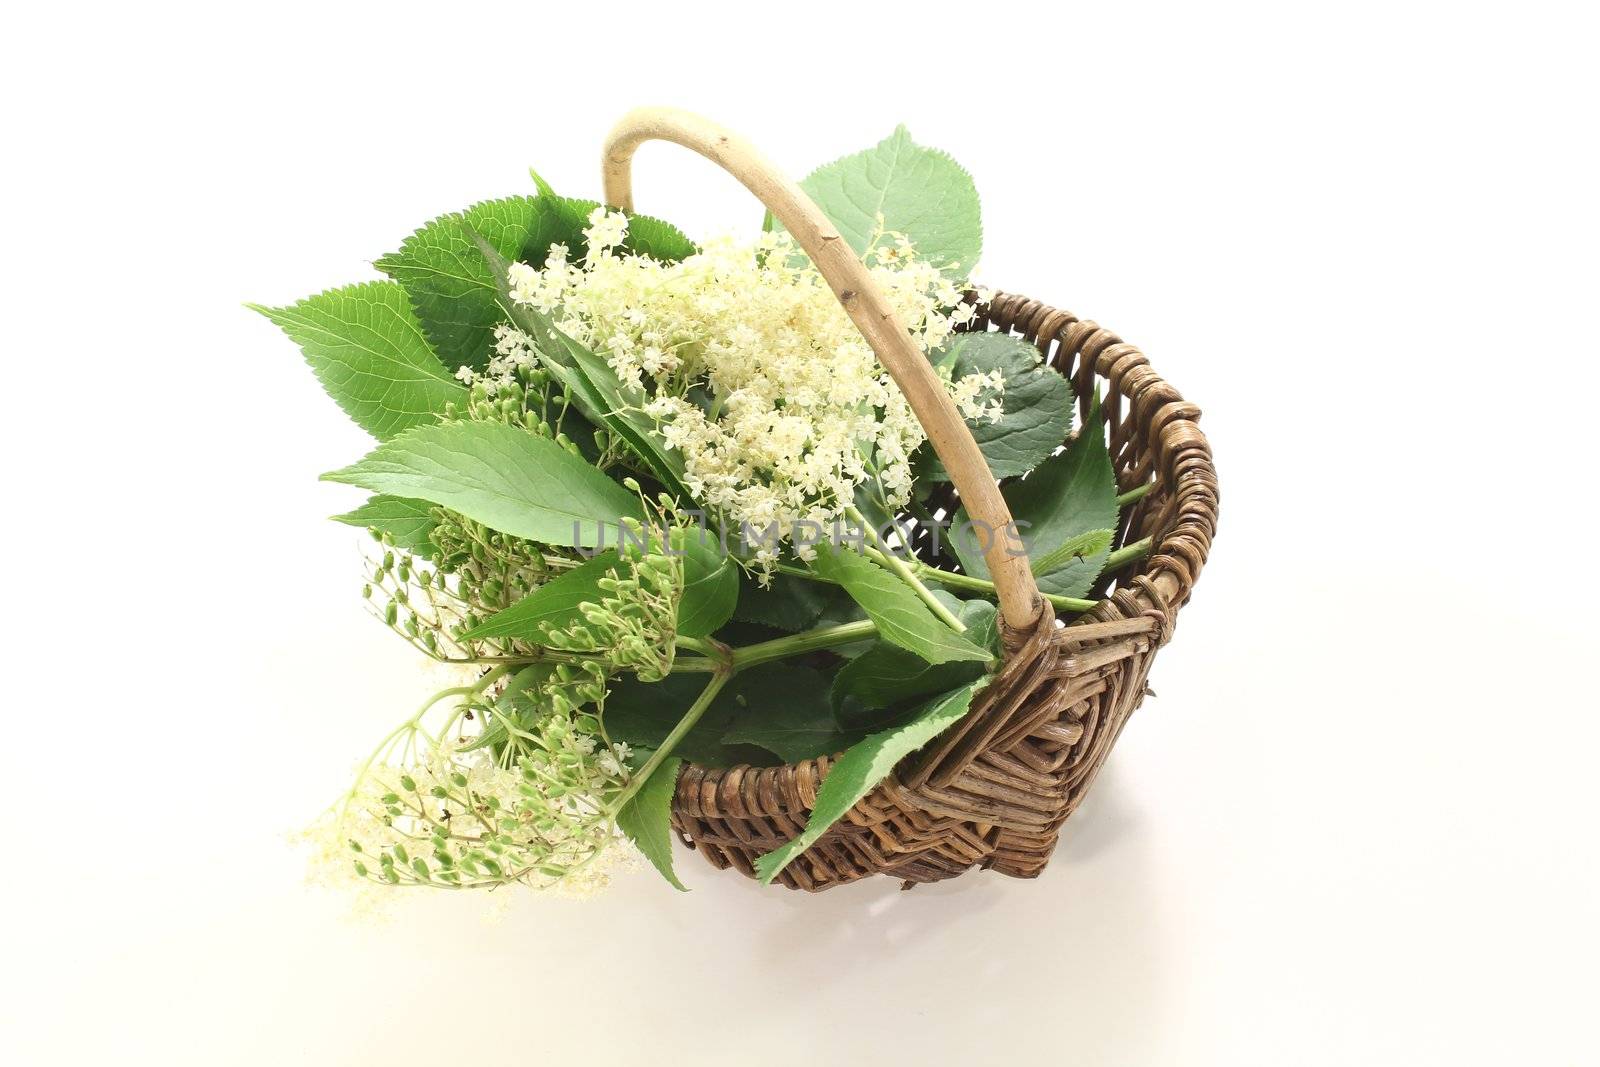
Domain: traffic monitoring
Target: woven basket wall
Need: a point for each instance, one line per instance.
(995, 790)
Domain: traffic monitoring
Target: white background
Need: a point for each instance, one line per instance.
(1355, 826)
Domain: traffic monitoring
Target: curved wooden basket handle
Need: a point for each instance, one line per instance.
(872, 314)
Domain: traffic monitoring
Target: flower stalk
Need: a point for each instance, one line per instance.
(719, 678)
(799, 644)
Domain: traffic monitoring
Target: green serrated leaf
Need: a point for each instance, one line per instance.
(920, 192)
(367, 349)
(901, 617)
(408, 523)
(710, 583)
(453, 288)
(557, 602)
(540, 184)
(788, 603)
(866, 764)
(658, 239)
(448, 281)
(793, 719)
(1036, 403)
(1067, 496)
(501, 476)
(643, 713)
(1073, 548)
(646, 819)
(646, 236)
(885, 675)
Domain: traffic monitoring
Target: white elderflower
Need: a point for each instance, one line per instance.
(606, 230)
(446, 809)
(754, 372)
(977, 396)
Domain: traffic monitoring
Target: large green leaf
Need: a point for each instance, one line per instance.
(866, 764)
(1066, 497)
(368, 351)
(407, 523)
(647, 819)
(920, 192)
(794, 719)
(643, 713)
(788, 603)
(710, 589)
(902, 618)
(646, 236)
(1036, 404)
(454, 289)
(840, 609)
(1073, 548)
(450, 285)
(885, 675)
(589, 381)
(710, 582)
(499, 475)
(555, 603)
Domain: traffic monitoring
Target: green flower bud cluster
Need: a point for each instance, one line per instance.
(474, 573)
(492, 570)
(573, 686)
(614, 451)
(528, 399)
(633, 625)
(457, 816)
(413, 598)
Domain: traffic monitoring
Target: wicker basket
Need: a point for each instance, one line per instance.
(994, 790)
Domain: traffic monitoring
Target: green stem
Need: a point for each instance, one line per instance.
(952, 580)
(1127, 554)
(544, 655)
(981, 585)
(694, 644)
(800, 643)
(697, 665)
(802, 572)
(1138, 492)
(909, 575)
(473, 690)
(900, 569)
(714, 655)
(718, 679)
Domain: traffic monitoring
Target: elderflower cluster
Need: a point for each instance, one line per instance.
(752, 370)
(977, 395)
(456, 816)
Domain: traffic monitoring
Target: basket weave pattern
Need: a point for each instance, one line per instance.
(994, 791)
